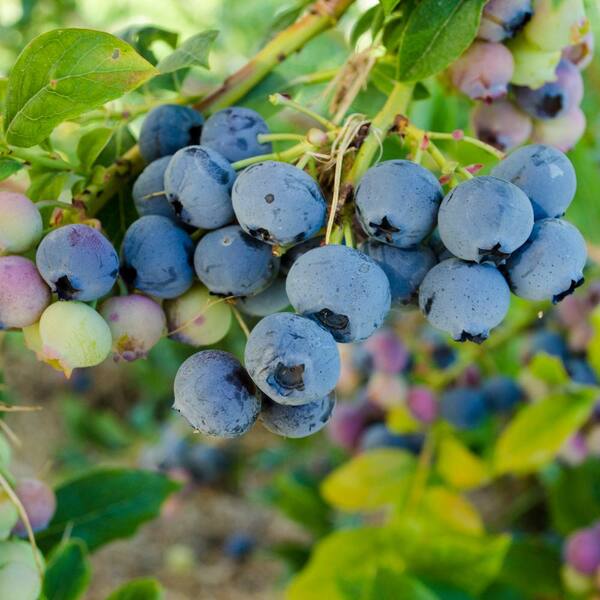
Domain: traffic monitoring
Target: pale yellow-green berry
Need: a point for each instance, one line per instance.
(20, 223)
(19, 575)
(533, 67)
(555, 25)
(8, 515)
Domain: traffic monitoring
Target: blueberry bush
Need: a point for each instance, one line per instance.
(369, 229)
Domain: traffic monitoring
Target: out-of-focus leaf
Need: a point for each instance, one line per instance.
(192, 53)
(141, 37)
(389, 5)
(46, 185)
(68, 572)
(451, 511)
(593, 350)
(538, 431)
(8, 167)
(121, 140)
(91, 145)
(549, 369)
(139, 589)
(363, 24)
(459, 466)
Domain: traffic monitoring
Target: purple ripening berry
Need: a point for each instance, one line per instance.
(39, 502)
(388, 353)
(582, 551)
(501, 124)
(422, 404)
(502, 19)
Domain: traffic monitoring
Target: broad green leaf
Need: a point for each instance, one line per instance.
(459, 466)
(68, 572)
(437, 32)
(62, 74)
(451, 511)
(141, 37)
(370, 480)
(192, 53)
(539, 430)
(91, 144)
(105, 504)
(139, 589)
(549, 369)
(393, 584)
(8, 167)
(389, 5)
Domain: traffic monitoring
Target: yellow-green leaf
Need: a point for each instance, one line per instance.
(459, 466)
(593, 351)
(549, 369)
(192, 53)
(452, 511)
(400, 420)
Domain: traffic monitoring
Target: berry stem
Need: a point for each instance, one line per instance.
(240, 320)
(288, 155)
(280, 137)
(50, 162)
(281, 100)
(313, 78)
(413, 131)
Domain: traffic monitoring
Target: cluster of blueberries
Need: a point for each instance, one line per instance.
(525, 65)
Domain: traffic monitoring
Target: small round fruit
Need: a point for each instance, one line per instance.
(39, 502)
(501, 124)
(583, 551)
(532, 67)
(562, 133)
(502, 393)
(19, 574)
(464, 407)
(271, 300)
(20, 223)
(148, 190)
(503, 19)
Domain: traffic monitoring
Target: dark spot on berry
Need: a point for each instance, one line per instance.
(269, 198)
(478, 338)
(195, 132)
(332, 320)
(240, 378)
(490, 137)
(493, 254)
(290, 378)
(177, 206)
(574, 285)
(65, 290)
(513, 26)
(428, 304)
(551, 105)
(384, 229)
(260, 233)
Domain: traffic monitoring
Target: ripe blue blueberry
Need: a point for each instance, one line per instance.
(272, 299)
(397, 202)
(157, 257)
(379, 436)
(545, 174)
(230, 263)
(405, 267)
(147, 190)
(502, 393)
(502, 19)
(278, 203)
(485, 219)
(437, 246)
(550, 342)
(295, 252)
(501, 124)
(198, 184)
(291, 359)
(581, 372)
(550, 265)
(464, 407)
(77, 262)
(168, 128)
(342, 289)
(233, 133)
(214, 393)
(464, 299)
(296, 421)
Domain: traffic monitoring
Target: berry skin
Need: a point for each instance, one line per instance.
(198, 184)
(582, 551)
(19, 575)
(77, 262)
(230, 263)
(464, 407)
(388, 353)
(20, 223)
(422, 404)
(550, 265)
(502, 19)
(291, 359)
(271, 300)
(167, 129)
(157, 257)
(562, 133)
(502, 393)
(555, 98)
(549, 342)
(149, 182)
(464, 299)
(296, 421)
(581, 53)
(73, 335)
(405, 267)
(278, 203)
(214, 393)
(437, 246)
(483, 71)
(295, 252)
(581, 372)
(379, 436)
(555, 25)
(485, 219)
(501, 124)
(197, 318)
(533, 67)
(545, 174)
(348, 422)
(23, 293)
(397, 202)
(342, 289)
(39, 502)
(137, 323)
(232, 132)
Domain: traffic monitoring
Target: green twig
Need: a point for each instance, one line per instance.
(281, 100)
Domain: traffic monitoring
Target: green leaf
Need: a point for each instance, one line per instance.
(389, 6)
(436, 33)
(392, 584)
(104, 505)
(62, 74)
(8, 167)
(68, 572)
(370, 480)
(363, 24)
(141, 37)
(46, 185)
(460, 467)
(549, 369)
(139, 589)
(593, 350)
(192, 53)
(91, 144)
(539, 430)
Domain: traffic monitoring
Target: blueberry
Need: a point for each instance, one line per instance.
(342, 289)
(348, 422)
(39, 502)
(20, 223)
(581, 372)
(545, 174)
(397, 202)
(291, 359)
(582, 551)
(278, 203)
(239, 546)
(77, 262)
(214, 393)
(379, 436)
(550, 265)
(388, 352)
(464, 299)
(272, 299)
(422, 404)
(555, 25)
(555, 98)
(464, 407)
(501, 124)
(502, 393)
(405, 267)
(157, 257)
(533, 66)
(582, 52)
(233, 133)
(295, 252)
(207, 464)
(150, 182)
(168, 128)
(549, 342)
(296, 421)
(483, 71)
(198, 184)
(23, 293)
(230, 263)
(503, 19)
(485, 219)
(437, 246)
(562, 133)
